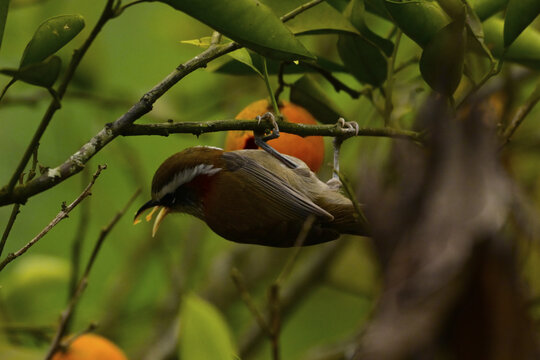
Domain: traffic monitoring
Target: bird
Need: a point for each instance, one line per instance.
(251, 197)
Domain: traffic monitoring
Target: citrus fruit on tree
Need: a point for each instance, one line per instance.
(90, 347)
(310, 149)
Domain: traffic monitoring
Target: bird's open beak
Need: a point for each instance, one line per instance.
(155, 206)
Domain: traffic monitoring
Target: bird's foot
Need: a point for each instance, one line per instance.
(348, 128)
(261, 139)
(275, 128)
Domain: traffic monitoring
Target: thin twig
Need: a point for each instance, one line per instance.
(106, 230)
(83, 282)
(240, 283)
(54, 105)
(14, 212)
(270, 92)
(274, 306)
(61, 216)
(75, 163)
(494, 70)
(292, 293)
(350, 194)
(5, 89)
(274, 300)
(66, 343)
(128, 5)
(306, 227)
(290, 15)
(78, 242)
(16, 208)
(521, 113)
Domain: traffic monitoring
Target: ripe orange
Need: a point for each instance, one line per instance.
(310, 149)
(91, 347)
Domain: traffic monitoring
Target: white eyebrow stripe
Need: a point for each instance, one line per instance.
(208, 147)
(185, 176)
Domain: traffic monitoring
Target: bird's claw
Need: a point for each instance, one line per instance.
(260, 140)
(348, 127)
(275, 128)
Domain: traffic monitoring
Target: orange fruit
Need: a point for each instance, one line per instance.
(91, 347)
(309, 149)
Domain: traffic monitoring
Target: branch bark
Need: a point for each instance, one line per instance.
(198, 128)
(76, 162)
(107, 14)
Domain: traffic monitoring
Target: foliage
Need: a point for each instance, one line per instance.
(444, 163)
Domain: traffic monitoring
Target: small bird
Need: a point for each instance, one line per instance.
(250, 196)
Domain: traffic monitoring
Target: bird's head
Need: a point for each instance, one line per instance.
(178, 183)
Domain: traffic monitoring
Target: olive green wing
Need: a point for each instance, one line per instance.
(280, 196)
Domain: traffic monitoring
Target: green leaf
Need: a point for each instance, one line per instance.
(519, 14)
(418, 19)
(243, 56)
(377, 7)
(248, 22)
(4, 5)
(474, 23)
(524, 50)
(363, 60)
(203, 42)
(320, 19)
(454, 8)
(487, 8)
(233, 67)
(307, 93)
(442, 60)
(339, 5)
(355, 12)
(42, 73)
(362, 54)
(50, 37)
(203, 331)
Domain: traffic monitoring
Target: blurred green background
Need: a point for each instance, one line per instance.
(137, 284)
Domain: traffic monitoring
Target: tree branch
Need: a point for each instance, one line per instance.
(14, 212)
(198, 128)
(68, 312)
(292, 293)
(521, 113)
(75, 163)
(292, 14)
(11, 194)
(61, 216)
(107, 14)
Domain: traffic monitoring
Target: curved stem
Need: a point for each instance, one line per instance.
(107, 14)
(270, 92)
(5, 89)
